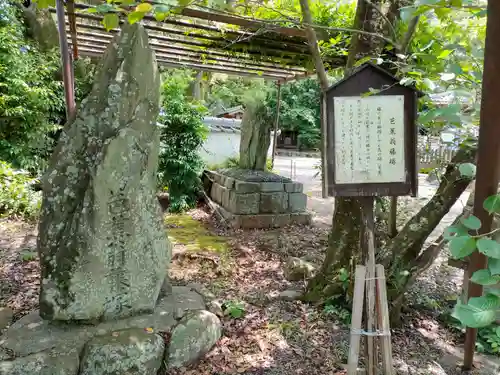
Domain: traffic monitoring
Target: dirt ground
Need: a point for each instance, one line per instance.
(272, 336)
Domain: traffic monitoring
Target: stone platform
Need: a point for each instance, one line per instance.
(177, 333)
(258, 199)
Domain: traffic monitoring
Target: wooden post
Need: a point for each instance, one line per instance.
(357, 315)
(383, 317)
(488, 155)
(368, 248)
(324, 148)
(393, 215)
(276, 123)
(69, 92)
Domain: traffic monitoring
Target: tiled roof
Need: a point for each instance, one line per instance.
(223, 125)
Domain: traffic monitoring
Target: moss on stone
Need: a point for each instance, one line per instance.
(191, 233)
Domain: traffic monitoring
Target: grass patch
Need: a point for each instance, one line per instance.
(184, 230)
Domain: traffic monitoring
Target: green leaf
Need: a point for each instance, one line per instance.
(497, 331)
(444, 54)
(104, 8)
(455, 231)
(471, 222)
(484, 277)
(473, 316)
(462, 246)
(492, 204)
(467, 170)
(489, 247)
(144, 8)
(135, 17)
(455, 69)
(110, 21)
(46, 3)
(447, 76)
(494, 266)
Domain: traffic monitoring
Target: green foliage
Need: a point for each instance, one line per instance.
(31, 99)
(234, 162)
(488, 339)
(300, 111)
(17, 194)
(235, 309)
(32, 106)
(479, 311)
(338, 312)
(233, 91)
(182, 134)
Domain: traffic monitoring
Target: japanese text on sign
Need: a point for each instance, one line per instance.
(369, 139)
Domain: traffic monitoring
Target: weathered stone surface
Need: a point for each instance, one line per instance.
(274, 202)
(297, 202)
(261, 221)
(249, 175)
(192, 338)
(6, 315)
(255, 135)
(131, 352)
(50, 362)
(246, 187)
(31, 334)
(271, 186)
(298, 269)
(216, 308)
(229, 182)
(294, 187)
(225, 196)
(243, 203)
(300, 218)
(216, 193)
(104, 251)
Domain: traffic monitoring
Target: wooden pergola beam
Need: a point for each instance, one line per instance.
(224, 18)
(299, 57)
(107, 37)
(187, 63)
(164, 51)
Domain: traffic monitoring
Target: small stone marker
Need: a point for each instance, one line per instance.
(103, 249)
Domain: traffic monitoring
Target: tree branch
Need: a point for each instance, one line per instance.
(384, 17)
(313, 45)
(412, 27)
(313, 25)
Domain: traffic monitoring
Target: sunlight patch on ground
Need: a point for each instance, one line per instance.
(191, 234)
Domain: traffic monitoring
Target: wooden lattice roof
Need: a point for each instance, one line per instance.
(206, 40)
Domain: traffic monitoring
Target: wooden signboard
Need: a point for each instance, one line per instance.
(372, 139)
(371, 151)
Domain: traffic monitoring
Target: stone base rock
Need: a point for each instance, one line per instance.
(6, 315)
(132, 352)
(257, 199)
(32, 346)
(192, 338)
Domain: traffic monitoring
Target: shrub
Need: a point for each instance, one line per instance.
(32, 106)
(182, 134)
(234, 162)
(17, 195)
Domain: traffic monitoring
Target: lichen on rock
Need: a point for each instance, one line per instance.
(103, 249)
(192, 338)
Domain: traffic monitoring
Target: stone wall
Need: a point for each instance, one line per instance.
(257, 199)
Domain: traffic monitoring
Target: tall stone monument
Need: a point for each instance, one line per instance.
(103, 249)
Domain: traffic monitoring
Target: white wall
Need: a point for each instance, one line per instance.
(219, 146)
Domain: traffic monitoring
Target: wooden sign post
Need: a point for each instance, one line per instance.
(371, 152)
